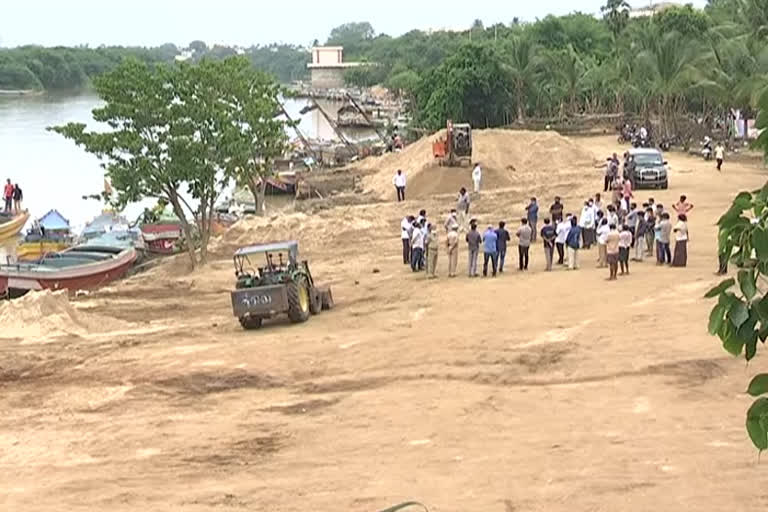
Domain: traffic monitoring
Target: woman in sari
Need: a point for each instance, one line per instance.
(680, 258)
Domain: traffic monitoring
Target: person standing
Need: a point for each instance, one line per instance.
(639, 237)
(572, 242)
(625, 242)
(524, 237)
(452, 221)
(562, 230)
(432, 243)
(683, 207)
(719, 155)
(406, 231)
(612, 240)
(631, 219)
(597, 204)
(650, 227)
(612, 216)
(462, 206)
(417, 248)
(399, 182)
(556, 211)
(490, 240)
(587, 224)
(18, 197)
(548, 235)
(8, 196)
(533, 217)
(452, 244)
(477, 177)
(602, 233)
(681, 241)
(665, 233)
(473, 239)
(502, 237)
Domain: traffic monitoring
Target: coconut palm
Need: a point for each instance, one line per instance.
(522, 65)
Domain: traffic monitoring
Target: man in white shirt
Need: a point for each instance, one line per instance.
(417, 249)
(562, 233)
(602, 240)
(587, 224)
(406, 230)
(477, 177)
(719, 154)
(398, 180)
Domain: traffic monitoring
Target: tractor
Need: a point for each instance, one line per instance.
(456, 147)
(282, 285)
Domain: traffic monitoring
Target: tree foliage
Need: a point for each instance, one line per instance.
(179, 131)
(740, 317)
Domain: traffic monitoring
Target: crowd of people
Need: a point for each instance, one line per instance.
(13, 196)
(621, 230)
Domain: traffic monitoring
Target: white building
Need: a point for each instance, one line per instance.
(328, 66)
(651, 9)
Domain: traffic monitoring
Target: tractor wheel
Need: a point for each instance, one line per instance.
(298, 300)
(327, 299)
(315, 301)
(250, 322)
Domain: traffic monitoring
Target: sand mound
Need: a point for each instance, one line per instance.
(508, 157)
(40, 316)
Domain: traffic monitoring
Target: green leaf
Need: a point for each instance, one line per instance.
(759, 385)
(757, 419)
(763, 333)
(760, 243)
(743, 201)
(738, 313)
(727, 299)
(733, 345)
(747, 284)
(751, 347)
(717, 290)
(716, 318)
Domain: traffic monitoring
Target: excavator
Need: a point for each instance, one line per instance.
(456, 147)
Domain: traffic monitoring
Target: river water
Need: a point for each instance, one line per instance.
(55, 174)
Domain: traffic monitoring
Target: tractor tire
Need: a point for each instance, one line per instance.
(315, 301)
(250, 323)
(327, 300)
(299, 300)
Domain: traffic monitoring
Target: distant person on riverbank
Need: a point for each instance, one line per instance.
(417, 248)
(562, 230)
(664, 230)
(432, 243)
(612, 251)
(556, 211)
(524, 239)
(452, 221)
(406, 230)
(477, 177)
(18, 197)
(683, 207)
(625, 242)
(502, 237)
(8, 196)
(572, 242)
(490, 251)
(548, 236)
(681, 242)
(399, 182)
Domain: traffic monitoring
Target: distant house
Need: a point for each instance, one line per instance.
(651, 9)
(54, 223)
(328, 66)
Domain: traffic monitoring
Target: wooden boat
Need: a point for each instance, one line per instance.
(162, 237)
(78, 268)
(32, 250)
(11, 226)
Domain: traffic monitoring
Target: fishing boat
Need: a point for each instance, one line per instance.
(50, 233)
(10, 226)
(78, 268)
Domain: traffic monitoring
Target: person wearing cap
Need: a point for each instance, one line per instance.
(452, 244)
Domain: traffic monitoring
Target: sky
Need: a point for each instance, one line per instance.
(249, 22)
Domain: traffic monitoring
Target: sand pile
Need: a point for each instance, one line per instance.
(40, 316)
(508, 157)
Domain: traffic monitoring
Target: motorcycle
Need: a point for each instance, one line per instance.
(625, 135)
(706, 149)
(639, 142)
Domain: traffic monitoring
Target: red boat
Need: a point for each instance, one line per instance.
(161, 238)
(78, 268)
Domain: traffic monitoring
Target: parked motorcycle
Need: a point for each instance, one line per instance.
(706, 149)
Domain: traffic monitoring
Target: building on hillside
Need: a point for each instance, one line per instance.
(651, 9)
(327, 67)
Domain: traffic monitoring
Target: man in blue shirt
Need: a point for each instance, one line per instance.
(533, 216)
(490, 240)
(572, 242)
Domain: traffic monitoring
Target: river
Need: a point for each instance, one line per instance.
(54, 173)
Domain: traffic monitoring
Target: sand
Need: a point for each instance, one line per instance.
(508, 158)
(542, 392)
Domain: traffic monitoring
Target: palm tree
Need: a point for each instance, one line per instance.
(616, 15)
(522, 65)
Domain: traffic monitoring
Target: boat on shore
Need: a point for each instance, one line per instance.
(11, 226)
(49, 233)
(78, 268)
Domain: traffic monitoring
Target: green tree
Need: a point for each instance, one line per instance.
(522, 65)
(616, 15)
(406, 81)
(170, 130)
(740, 317)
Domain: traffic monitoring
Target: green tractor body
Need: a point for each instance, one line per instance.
(282, 285)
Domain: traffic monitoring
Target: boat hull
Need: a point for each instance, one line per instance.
(12, 228)
(79, 277)
(32, 251)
